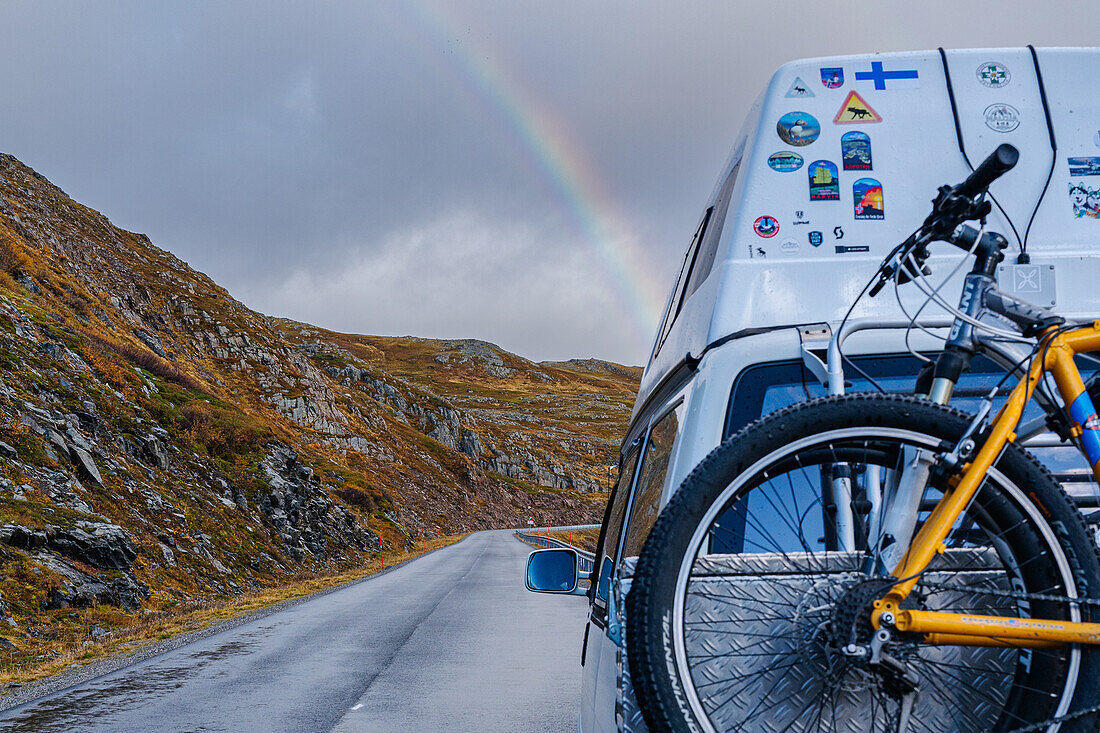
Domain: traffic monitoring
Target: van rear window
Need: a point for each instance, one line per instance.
(763, 389)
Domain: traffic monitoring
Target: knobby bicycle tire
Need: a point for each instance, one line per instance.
(667, 692)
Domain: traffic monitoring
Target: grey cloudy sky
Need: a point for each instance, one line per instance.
(522, 172)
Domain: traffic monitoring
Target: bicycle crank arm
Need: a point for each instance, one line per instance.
(973, 630)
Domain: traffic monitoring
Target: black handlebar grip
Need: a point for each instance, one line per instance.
(999, 162)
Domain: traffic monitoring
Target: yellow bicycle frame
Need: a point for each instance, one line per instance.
(1055, 355)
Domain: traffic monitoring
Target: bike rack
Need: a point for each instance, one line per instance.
(831, 371)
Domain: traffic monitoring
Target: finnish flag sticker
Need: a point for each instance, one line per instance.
(882, 79)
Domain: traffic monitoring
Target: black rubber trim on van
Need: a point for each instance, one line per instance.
(1053, 144)
(962, 149)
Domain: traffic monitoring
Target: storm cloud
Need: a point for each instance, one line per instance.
(522, 172)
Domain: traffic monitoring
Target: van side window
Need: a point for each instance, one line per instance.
(677, 300)
(651, 482)
(708, 247)
(609, 544)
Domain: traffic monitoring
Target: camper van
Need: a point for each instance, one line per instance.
(834, 168)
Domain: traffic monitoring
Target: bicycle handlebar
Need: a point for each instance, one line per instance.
(951, 207)
(999, 162)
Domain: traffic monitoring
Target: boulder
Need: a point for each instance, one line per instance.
(85, 465)
(25, 538)
(101, 545)
(80, 590)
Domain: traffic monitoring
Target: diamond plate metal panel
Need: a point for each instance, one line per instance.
(759, 661)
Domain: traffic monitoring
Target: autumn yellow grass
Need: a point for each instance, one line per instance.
(169, 624)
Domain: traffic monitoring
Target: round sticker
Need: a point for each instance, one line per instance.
(993, 74)
(798, 128)
(789, 247)
(766, 226)
(785, 161)
(1002, 117)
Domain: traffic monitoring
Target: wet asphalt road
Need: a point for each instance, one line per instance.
(449, 642)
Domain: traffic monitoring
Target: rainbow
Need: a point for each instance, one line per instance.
(545, 146)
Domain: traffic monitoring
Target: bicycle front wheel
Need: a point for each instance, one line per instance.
(747, 613)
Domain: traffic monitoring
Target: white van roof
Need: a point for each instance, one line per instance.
(838, 162)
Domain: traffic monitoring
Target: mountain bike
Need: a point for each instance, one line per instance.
(875, 562)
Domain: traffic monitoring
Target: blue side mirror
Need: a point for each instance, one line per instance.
(554, 571)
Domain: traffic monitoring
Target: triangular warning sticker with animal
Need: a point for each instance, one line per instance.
(799, 89)
(855, 110)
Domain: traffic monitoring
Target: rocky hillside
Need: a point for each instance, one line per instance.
(161, 444)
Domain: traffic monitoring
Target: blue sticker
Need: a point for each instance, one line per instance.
(798, 128)
(799, 89)
(1085, 200)
(880, 79)
(785, 161)
(815, 239)
(867, 197)
(832, 77)
(855, 150)
(1083, 412)
(1084, 166)
(824, 183)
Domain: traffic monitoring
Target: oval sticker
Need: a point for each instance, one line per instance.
(785, 161)
(798, 128)
(1002, 117)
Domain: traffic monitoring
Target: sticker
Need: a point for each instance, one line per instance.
(880, 79)
(838, 232)
(757, 252)
(1085, 200)
(1084, 166)
(824, 184)
(855, 151)
(798, 128)
(992, 74)
(799, 89)
(785, 161)
(846, 248)
(855, 109)
(816, 239)
(1096, 139)
(867, 195)
(800, 218)
(1002, 117)
(789, 247)
(766, 226)
(833, 77)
